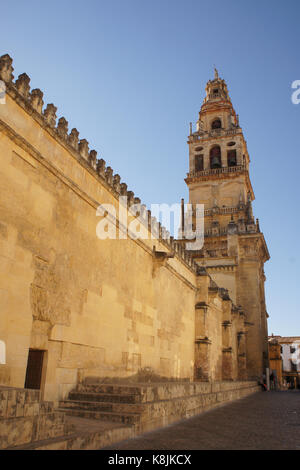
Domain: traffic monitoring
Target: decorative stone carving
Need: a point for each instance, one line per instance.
(93, 159)
(101, 167)
(116, 183)
(143, 211)
(62, 128)
(123, 189)
(130, 198)
(83, 148)
(50, 115)
(22, 85)
(241, 225)
(257, 225)
(109, 175)
(36, 100)
(73, 138)
(215, 230)
(6, 68)
(249, 211)
(232, 227)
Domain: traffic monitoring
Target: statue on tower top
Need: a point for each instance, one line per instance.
(216, 74)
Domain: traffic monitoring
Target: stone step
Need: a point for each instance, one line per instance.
(109, 389)
(151, 392)
(125, 418)
(102, 406)
(105, 397)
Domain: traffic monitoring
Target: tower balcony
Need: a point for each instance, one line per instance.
(213, 133)
(213, 96)
(219, 172)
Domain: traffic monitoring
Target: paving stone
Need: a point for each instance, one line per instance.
(263, 421)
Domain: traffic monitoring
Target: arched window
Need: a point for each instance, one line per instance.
(215, 157)
(231, 158)
(216, 124)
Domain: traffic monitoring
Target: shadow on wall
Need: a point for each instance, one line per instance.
(144, 375)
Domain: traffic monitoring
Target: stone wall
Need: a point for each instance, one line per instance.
(24, 418)
(103, 308)
(96, 307)
(92, 304)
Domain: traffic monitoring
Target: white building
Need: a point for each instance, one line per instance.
(290, 353)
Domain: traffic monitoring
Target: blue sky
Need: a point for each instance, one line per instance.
(130, 76)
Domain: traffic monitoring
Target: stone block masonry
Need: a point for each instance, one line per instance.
(24, 418)
(74, 306)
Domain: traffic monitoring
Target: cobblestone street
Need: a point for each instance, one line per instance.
(261, 421)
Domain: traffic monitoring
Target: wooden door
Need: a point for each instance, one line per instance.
(34, 369)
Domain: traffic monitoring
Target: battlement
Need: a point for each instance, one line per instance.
(32, 102)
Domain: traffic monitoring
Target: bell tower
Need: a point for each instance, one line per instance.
(234, 250)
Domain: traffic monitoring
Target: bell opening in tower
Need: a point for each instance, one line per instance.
(231, 158)
(215, 157)
(216, 124)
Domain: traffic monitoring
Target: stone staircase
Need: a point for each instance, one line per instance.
(149, 406)
(121, 404)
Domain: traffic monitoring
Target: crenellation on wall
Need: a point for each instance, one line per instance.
(117, 183)
(23, 85)
(62, 128)
(83, 148)
(48, 118)
(50, 115)
(73, 139)
(6, 68)
(92, 159)
(36, 100)
(109, 175)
